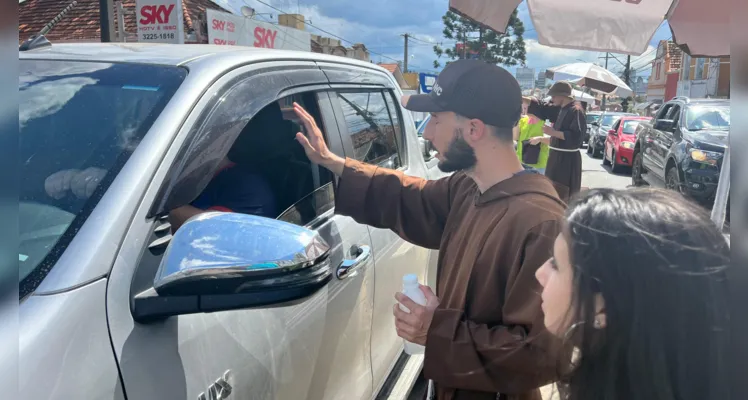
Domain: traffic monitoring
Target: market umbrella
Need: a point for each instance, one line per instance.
(700, 28)
(592, 76)
(579, 96)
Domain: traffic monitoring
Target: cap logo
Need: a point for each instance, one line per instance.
(437, 89)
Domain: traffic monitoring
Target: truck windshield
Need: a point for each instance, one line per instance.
(701, 117)
(79, 123)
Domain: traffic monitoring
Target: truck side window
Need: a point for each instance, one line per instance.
(373, 134)
(662, 114)
(674, 114)
(394, 109)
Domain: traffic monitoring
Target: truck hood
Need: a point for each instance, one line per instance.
(709, 140)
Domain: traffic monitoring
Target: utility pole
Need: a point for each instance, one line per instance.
(405, 62)
(464, 45)
(480, 44)
(627, 78)
(606, 67)
(106, 16)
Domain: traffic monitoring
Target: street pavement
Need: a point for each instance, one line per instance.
(595, 175)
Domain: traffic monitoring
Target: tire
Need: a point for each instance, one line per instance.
(595, 153)
(637, 168)
(605, 158)
(672, 180)
(614, 166)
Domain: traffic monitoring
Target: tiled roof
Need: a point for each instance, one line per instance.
(81, 23)
(389, 67)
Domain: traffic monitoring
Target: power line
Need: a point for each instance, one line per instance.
(648, 53)
(419, 40)
(322, 30)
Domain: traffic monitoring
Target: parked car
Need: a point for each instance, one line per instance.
(619, 144)
(682, 147)
(428, 152)
(592, 117)
(113, 305)
(600, 129)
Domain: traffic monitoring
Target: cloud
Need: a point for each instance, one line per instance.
(541, 57)
(384, 40)
(379, 25)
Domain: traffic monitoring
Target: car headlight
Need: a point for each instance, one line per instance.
(627, 145)
(705, 157)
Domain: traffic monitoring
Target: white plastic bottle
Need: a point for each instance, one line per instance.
(413, 291)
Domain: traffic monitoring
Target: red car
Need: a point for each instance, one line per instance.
(619, 145)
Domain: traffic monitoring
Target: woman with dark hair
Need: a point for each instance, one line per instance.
(637, 285)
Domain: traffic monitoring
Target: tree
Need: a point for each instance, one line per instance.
(476, 41)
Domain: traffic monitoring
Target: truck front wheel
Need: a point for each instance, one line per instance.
(672, 181)
(636, 171)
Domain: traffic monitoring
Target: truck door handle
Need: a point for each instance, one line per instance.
(348, 267)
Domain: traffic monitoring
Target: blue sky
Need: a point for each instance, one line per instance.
(379, 24)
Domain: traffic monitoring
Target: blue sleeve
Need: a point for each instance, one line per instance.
(249, 194)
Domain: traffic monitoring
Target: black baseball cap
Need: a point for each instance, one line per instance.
(474, 89)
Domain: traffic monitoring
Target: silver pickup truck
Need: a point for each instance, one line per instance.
(114, 306)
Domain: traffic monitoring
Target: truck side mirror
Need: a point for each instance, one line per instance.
(664, 125)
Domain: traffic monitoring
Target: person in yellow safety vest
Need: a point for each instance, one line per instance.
(529, 132)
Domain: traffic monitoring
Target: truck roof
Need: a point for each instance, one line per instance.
(697, 101)
(177, 54)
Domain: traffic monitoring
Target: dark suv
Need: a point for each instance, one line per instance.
(683, 146)
(592, 117)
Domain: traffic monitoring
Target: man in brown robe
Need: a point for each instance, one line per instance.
(564, 165)
(494, 223)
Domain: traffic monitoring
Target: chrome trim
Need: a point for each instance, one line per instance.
(348, 268)
(227, 245)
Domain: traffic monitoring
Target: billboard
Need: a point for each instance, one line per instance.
(233, 30)
(426, 82)
(160, 21)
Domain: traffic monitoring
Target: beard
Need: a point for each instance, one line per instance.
(459, 155)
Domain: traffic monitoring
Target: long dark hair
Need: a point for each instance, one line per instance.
(659, 263)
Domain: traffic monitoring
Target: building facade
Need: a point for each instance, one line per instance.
(640, 86)
(526, 78)
(665, 71)
(81, 23)
(541, 81)
(704, 77)
(397, 72)
(326, 45)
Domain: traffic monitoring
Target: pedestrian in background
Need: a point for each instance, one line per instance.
(532, 145)
(564, 165)
(493, 222)
(637, 284)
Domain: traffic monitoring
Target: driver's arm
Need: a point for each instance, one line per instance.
(180, 215)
